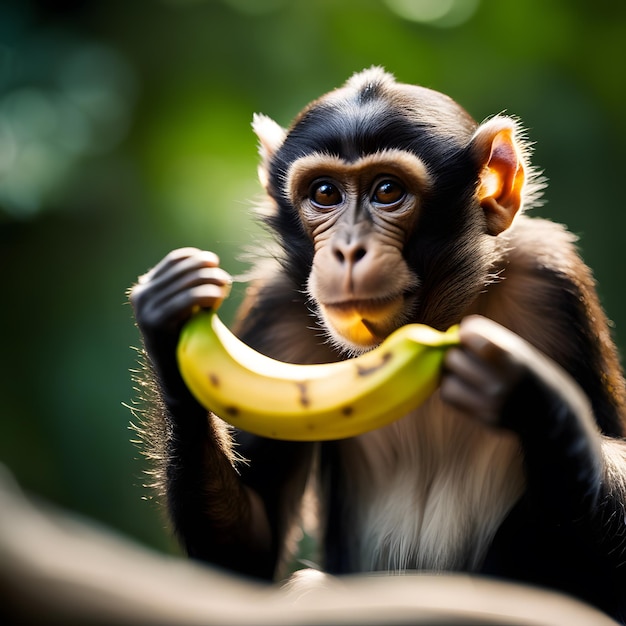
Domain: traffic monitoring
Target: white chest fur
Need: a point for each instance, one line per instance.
(428, 492)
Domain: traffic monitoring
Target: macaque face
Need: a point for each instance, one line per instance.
(357, 215)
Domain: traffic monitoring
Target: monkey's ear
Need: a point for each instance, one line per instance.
(271, 137)
(502, 175)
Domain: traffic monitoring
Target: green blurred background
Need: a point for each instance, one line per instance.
(125, 132)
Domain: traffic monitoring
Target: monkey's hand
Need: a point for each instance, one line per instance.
(499, 378)
(164, 299)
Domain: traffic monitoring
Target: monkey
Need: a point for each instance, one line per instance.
(388, 204)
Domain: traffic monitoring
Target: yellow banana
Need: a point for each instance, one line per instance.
(310, 402)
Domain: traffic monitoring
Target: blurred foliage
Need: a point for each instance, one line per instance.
(125, 132)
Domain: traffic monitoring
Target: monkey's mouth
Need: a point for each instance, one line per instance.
(373, 305)
(365, 323)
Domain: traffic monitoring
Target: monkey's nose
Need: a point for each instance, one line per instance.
(349, 253)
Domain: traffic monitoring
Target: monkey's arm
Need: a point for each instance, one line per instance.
(499, 378)
(568, 530)
(575, 475)
(216, 515)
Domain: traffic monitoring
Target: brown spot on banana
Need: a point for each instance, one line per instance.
(304, 399)
(363, 371)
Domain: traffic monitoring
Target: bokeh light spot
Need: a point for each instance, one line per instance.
(445, 13)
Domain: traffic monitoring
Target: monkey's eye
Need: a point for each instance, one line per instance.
(388, 192)
(325, 194)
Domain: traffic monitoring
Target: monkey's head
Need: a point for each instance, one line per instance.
(388, 200)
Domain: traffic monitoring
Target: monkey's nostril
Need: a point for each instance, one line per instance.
(349, 254)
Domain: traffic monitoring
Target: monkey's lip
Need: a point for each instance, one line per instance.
(364, 323)
(372, 308)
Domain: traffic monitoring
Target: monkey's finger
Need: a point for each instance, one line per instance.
(188, 281)
(475, 372)
(494, 345)
(174, 311)
(190, 272)
(174, 256)
(166, 305)
(192, 276)
(475, 386)
(480, 378)
(470, 400)
(204, 295)
(178, 260)
(200, 267)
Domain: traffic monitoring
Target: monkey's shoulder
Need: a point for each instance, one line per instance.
(542, 273)
(545, 292)
(540, 245)
(541, 288)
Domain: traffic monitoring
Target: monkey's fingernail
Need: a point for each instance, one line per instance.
(210, 258)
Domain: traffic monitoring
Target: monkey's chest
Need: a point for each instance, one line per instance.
(428, 492)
